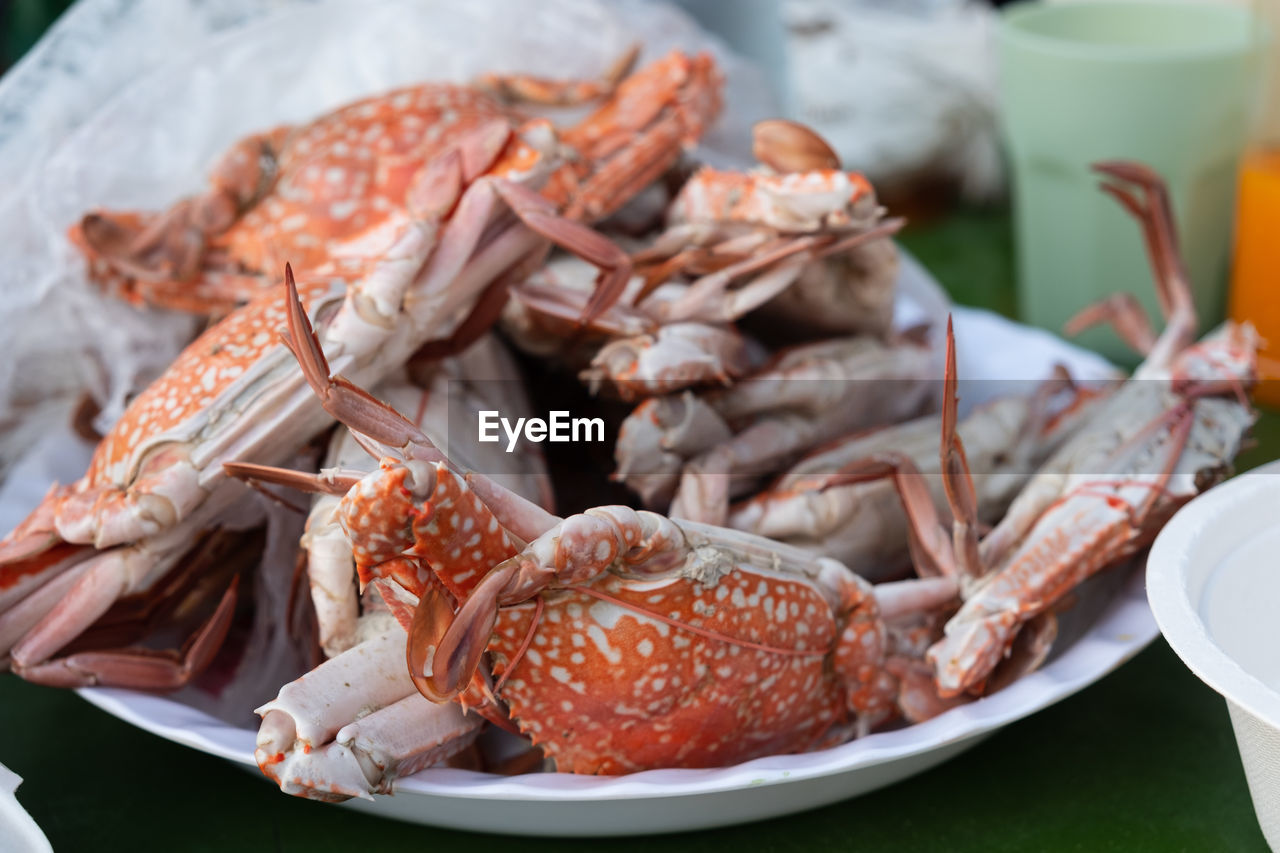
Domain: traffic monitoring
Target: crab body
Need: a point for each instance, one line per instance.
(621, 640)
(344, 175)
(1164, 437)
(698, 657)
(1158, 440)
(335, 186)
(843, 280)
(299, 195)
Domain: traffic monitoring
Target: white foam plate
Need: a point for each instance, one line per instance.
(1213, 586)
(1216, 610)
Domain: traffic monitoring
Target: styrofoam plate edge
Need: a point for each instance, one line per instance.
(1195, 533)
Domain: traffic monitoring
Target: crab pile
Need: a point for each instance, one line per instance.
(800, 540)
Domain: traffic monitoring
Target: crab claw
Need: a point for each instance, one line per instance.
(788, 146)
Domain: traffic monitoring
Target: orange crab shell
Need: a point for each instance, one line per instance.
(292, 194)
(393, 533)
(201, 372)
(346, 172)
(605, 688)
(302, 194)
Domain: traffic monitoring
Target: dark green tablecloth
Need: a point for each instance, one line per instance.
(1144, 760)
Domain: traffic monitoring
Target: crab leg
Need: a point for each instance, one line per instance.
(704, 490)
(526, 88)
(487, 311)
(23, 616)
(22, 576)
(957, 481)
(640, 132)
(140, 669)
(367, 756)
(806, 396)
(1125, 314)
(315, 710)
(930, 550)
(1154, 216)
(1159, 440)
(103, 579)
(159, 258)
(331, 573)
(89, 658)
(463, 262)
(354, 724)
(709, 299)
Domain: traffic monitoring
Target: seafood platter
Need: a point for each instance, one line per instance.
(791, 567)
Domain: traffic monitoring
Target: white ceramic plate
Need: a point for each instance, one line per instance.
(675, 800)
(989, 347)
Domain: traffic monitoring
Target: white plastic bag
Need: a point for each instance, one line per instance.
(127, 105)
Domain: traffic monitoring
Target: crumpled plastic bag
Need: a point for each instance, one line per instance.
(905, 90)
(127, 104)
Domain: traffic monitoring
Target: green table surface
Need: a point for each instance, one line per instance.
(1143, 760)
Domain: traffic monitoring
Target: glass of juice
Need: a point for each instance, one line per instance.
(1255, 275)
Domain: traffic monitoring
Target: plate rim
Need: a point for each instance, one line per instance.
(1125, 627)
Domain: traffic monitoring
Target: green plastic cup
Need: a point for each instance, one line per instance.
(1173, 85)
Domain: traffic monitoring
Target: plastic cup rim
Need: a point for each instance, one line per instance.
(1013, 30)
